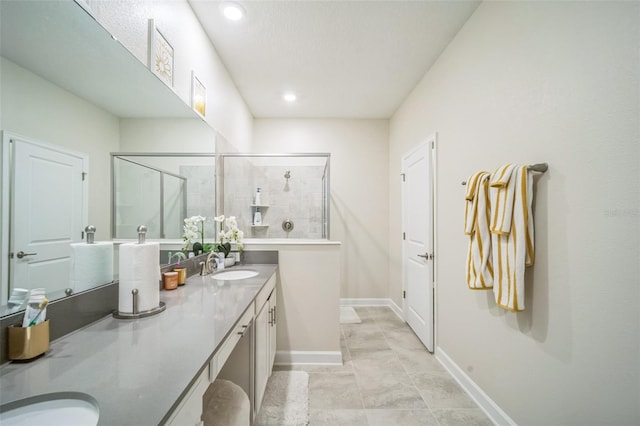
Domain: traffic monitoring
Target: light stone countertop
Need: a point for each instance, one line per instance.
(139, 369)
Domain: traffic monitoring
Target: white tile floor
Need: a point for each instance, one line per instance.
(388, 378)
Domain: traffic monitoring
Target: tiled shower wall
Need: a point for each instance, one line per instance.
(299, 198)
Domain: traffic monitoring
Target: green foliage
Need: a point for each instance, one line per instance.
(223, 248)
(197, 248)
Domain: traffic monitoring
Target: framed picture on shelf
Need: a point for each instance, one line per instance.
(198, 95)
(160, 55)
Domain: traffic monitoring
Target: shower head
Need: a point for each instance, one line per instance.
(287, 174)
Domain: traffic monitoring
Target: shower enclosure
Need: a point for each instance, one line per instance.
(160, 190)
(294, 194)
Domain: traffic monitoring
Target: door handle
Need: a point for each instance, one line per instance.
(22, 254)
(427, 256)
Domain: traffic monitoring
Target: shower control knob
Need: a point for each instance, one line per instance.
(287, 225)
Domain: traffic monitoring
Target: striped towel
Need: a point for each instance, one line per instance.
(511, 233)
(476, 225)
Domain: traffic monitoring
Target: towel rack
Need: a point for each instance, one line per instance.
(540, 167)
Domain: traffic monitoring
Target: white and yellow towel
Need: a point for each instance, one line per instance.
(476, 225)
(511, 233)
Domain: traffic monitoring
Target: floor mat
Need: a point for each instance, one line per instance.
(286, 400)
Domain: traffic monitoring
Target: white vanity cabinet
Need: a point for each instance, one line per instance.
(245, 357)
(265, 339)
(272, 329)
(189, 411)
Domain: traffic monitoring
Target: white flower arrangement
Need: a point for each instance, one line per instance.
(230, 235)
(193, 229)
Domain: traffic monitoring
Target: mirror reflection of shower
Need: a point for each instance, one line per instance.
(161, 190)
(287, 176)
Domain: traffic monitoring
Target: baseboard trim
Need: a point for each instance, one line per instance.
(490, 408)
(374, 302)
(308, 357)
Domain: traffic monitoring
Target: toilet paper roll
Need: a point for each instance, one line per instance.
(139, 269)
(91, 265)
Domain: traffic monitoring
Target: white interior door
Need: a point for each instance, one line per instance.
(48, 208)
(417, 212)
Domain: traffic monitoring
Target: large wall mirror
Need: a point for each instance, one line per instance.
(160, 190)
(71, 91)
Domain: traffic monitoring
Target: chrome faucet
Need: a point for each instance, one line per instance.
(208, 266)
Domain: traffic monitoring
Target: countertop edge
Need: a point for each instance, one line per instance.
(70, 350)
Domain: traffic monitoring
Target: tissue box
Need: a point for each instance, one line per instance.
(28, 342)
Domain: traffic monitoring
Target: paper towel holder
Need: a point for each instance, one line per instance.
(91, 231)
(138, 314)
(142, 234)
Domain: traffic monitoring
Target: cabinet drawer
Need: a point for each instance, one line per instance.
(262, 297)
(222, 354)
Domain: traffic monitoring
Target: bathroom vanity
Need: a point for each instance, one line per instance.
(155, 370)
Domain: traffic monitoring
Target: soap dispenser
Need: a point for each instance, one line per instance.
(257, 217)
(257, 200)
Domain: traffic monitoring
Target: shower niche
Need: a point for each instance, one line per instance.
(294, 188)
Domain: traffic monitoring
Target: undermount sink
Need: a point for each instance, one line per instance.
(62, 408)
(240, 274)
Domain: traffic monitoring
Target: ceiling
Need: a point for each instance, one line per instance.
(343, 59)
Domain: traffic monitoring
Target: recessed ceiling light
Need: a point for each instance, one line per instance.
(289, 97)
(232, 11)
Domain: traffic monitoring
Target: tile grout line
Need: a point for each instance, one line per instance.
(355, 376)
(397, 358)
(409, 375)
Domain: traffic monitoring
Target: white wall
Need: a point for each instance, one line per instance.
(529, 82)
(359, 190)
(128, 22)
(308, 301)
(166, 135)
(37, 109)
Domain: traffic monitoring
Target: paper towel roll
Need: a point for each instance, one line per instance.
(91, 265)
(139, 268)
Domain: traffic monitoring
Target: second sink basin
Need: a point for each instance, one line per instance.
(239, 274)
(63, 408)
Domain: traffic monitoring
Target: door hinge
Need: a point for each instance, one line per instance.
(404, 294)
(84, 174)
(404, 235)
(403, 177)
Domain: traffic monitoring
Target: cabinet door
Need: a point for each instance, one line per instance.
(272, 329)
(262, 342)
